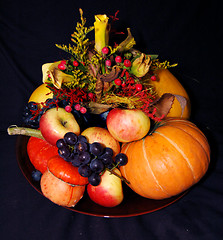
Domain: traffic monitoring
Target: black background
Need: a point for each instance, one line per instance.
(186, 32)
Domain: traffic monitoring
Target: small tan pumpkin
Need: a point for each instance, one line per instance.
(167, 162)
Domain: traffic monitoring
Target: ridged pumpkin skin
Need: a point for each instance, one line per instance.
(167, 83)
(167, 162)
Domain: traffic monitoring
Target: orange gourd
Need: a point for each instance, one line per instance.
(167, 83)
(168, 161)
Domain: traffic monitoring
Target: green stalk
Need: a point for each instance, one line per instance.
(117, 175)
(15, 130)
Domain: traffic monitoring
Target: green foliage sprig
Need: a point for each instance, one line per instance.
(79, 38)
(156, 64)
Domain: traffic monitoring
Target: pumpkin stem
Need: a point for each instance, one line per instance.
(15, 130)
(155, 126)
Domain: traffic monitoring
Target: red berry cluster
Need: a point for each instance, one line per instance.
(128, 84)
(118, 59)
(129, 87)
(62, 65)
(127, 63)
(76, 96)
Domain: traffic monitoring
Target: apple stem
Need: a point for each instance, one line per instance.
(15, 130)
(117, 175)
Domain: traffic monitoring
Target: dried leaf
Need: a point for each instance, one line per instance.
(112, 75)
(128, 43)
(98, 108)
(163, 104)
(58, 77)
(107, 86)
(98, 88)
(183, 102)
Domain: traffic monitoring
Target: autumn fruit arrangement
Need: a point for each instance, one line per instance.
(110, 115)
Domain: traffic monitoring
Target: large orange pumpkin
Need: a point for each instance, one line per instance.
(168, 161)
(167, 83)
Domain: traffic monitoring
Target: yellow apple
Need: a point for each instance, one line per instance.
(55, 123)
(127, 125)
(109, 192)
(101, 135)
(41, 94)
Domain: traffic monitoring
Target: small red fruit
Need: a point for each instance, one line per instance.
(118, 59)
(68, 108)
(63, 62)
(118, 81)
(105, 50)
(127, 63)
(75, 63)
(62, 66)
(138, 87)
(153, 78)
(77, 107)
(108, 63)
(90, 95)
(83, 110)
(123, 84)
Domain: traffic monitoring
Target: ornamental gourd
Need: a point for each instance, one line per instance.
(167, 162)
(166, 82)
(39, 152)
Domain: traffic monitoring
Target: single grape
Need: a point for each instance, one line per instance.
(75, 161)
(106, 159)
(81, 146)
(97, 165)
(82, 138)
(30, 121)
(26, 112)
(39, 116)
(50, 103)
(64, 152)
(36, 175)
(85, 157)
(27, 119)
(110, 166)
(70, 158)
(32, 106)
(61, 143)
(96, 148)
(94, 179)
(70, 138)
(121, 159)
(84, 170)
(108, 151)
(34, 122)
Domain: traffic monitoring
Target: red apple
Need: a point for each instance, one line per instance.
(109, 192)
(55, 122)
(60, 192)
(39, 152)
(127, 125)
(101, 135)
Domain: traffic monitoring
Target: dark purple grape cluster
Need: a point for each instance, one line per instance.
(28, 118)
(91, 159)
(31, 115)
